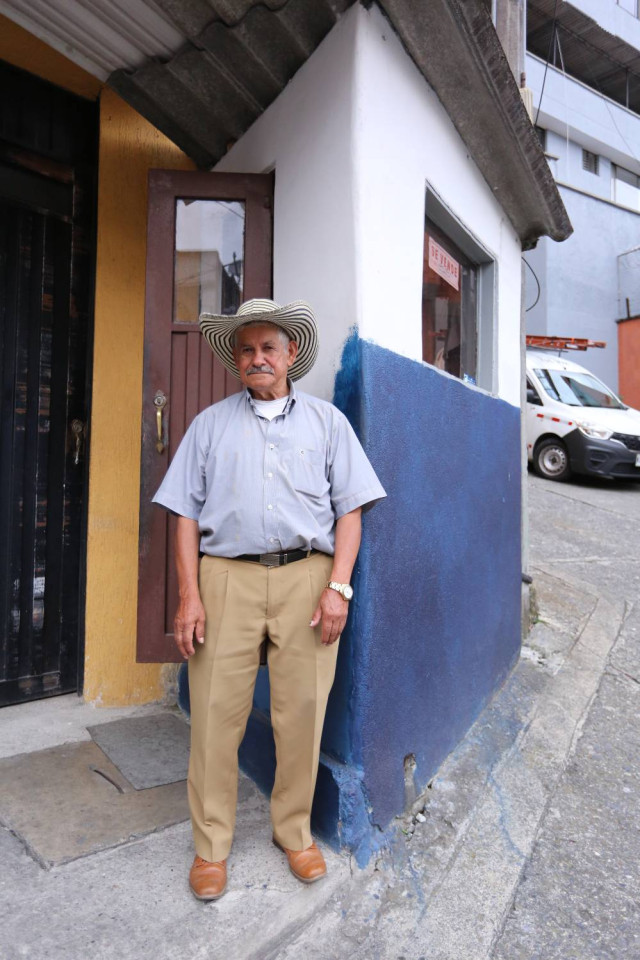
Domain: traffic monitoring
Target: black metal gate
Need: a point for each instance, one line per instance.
(47, 174)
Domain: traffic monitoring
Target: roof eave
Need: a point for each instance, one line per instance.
(456, 48)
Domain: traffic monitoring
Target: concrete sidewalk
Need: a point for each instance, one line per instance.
(133, 900)
(524, 846)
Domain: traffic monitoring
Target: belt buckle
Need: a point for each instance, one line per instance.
(270, 559)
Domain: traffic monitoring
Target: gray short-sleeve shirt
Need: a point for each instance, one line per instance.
(260, 486)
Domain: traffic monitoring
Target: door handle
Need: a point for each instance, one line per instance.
(160, 402)
(77, 429)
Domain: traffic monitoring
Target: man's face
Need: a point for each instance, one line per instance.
(263, 360)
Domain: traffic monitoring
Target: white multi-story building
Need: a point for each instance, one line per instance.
(583, 65)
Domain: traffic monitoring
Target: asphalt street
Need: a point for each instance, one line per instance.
(579, 895)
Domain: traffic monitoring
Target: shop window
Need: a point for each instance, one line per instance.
(626, 188)
(449, 306)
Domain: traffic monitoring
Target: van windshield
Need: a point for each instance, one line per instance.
(577, 389)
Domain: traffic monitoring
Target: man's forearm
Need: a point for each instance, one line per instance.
(348, 534)
(332, 608)
(187, 550)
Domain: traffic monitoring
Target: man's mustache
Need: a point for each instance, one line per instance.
(265, 369)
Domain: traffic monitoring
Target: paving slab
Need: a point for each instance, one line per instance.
(48, 723)
(148, 751)
(71, 801)
(133, 902)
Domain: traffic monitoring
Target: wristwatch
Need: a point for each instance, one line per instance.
(345, 589)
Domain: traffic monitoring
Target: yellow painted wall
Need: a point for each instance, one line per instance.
(22, 49)
(129, 147)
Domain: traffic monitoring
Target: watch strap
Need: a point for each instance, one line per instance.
(340, 588)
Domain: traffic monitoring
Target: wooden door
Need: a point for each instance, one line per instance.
(209, 249)
(47, 168)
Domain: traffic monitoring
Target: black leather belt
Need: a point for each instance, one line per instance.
(276, 559)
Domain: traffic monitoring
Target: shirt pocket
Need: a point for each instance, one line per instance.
(308, 472)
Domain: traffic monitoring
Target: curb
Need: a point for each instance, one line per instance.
(467, 912)
(444, 889)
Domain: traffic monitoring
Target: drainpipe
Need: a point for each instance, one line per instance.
(510, 19)
(524, 491)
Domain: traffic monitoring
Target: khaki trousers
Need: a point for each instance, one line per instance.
(244, 603)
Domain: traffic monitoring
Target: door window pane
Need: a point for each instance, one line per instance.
(449, 307)
(209, 258)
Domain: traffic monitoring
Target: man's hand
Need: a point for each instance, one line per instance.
(189, 624)
(189, 619)
(332, 610)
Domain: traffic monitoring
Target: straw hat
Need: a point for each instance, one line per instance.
(296, 319)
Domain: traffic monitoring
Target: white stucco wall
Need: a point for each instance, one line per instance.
(306, 135)
(404, 140)
(354, 139)
(579, 114)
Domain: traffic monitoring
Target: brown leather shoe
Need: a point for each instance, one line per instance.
(208, 881)
(307, 865)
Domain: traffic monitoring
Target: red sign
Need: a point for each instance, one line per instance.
(444, 264)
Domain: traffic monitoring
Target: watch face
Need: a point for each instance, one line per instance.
(347, 592)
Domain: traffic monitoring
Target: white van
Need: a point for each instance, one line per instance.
(575, 424)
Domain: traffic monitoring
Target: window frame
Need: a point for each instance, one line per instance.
(614, 182)
(633, 13)
(440, 214)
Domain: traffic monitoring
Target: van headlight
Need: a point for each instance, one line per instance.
(591, 430)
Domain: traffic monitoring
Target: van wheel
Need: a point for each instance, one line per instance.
(551, 460)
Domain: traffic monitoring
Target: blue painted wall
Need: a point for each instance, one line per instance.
(435, 624)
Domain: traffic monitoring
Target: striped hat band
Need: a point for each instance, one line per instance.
(296, 319)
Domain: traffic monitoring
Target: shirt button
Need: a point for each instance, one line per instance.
(271, 446)
(272, 539)
(269, 475)
(269, 506)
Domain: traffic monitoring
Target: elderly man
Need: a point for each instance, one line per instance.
(268, 486)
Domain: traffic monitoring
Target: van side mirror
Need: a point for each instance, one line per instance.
(532, 397)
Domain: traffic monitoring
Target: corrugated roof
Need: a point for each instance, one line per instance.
(99, 35)
(226, 71)
(179, 61)
(176, 61)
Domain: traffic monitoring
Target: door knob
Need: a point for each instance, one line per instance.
(160, 402)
